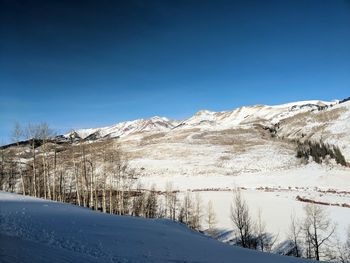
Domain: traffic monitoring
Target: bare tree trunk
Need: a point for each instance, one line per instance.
(48, 181)
(44, 171)
(122, 198)
(104, 200)
(76, 179)
(17, 133)
(54, 177)
(34, 170)
(294, 234)
(96, 198)
(85, 178)
(118, 209)
(211, 216)
(21, 174)
(2, 171)
(91, 186)
(61, 190)
(22, 181)
(174, 206)
(104, 207)
(110, 199)
(84, 192)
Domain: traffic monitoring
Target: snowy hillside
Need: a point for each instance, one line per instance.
(34, 230)
(331, 125)
(251, 114)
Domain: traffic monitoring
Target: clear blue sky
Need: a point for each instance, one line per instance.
(84, 63)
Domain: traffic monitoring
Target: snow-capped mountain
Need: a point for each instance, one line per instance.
(204, 119)
(155, 124)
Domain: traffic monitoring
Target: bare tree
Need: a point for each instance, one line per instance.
(197, 213)
(261, 232)
(264, 240)
(319, 230)
(32, 134)
(54, 176)
(151, 205)
(62, 168)
(108, 174)
(187, 209)
(9, 170)
(344, 249)
(91, 181)
(17, 134)
(211, 216)
(85, 190)
(43, 134)
(168, 203)
(294, 235)
(138, 205)
(119, 178)
(76, 177)
(241, 220)
(106, 169)
(174, 201)
(39, 135)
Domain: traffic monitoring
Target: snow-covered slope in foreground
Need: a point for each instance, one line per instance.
(35, 230)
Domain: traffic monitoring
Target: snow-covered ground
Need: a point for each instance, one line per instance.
(36, 230)
(274, 193)
(310, 176)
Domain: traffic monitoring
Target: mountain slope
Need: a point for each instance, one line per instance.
(155, 124)
(246, 115)
(331, 125)
(34, 230)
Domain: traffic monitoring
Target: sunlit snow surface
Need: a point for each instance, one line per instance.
(34, 230)
(272, 192)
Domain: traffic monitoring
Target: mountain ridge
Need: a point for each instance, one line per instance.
(235, 117)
